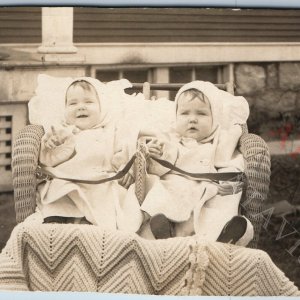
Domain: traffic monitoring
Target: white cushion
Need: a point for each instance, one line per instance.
(46, 108)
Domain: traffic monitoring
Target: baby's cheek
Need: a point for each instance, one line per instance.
(70, 118)
(180, 123)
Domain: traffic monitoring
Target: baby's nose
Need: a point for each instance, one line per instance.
(193, 119)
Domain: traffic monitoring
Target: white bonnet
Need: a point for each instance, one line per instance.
(227, 109)
(103, 99)
(47, 107)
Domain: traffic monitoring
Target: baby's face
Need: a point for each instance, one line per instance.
(82, 108)
(193, 118)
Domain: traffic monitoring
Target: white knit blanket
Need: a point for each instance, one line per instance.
(55, 257)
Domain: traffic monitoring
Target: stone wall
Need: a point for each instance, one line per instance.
(273, 93)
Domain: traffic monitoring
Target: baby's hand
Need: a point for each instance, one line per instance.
(155, 147)
(229, 188)
(55, 138)
(126, 180)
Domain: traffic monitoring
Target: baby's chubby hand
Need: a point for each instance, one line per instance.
(126, 180)
(56, 137)
(155, 147)
(229, 188)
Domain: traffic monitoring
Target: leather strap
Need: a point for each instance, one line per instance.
(49, 175)
(229, 176)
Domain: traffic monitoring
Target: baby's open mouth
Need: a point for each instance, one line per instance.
(82, 116)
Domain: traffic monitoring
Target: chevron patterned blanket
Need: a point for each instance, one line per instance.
(55, 257)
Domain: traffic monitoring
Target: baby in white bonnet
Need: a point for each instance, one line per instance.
(86, 147)
(201, 142)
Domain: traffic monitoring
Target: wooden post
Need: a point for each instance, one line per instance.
(57, 35)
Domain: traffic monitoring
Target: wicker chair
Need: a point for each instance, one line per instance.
(77, 257)
(254, 149)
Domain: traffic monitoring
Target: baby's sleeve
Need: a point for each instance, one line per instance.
(124, 148)
(53, 157)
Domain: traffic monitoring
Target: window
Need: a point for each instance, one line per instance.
(164, 73)
(136, 75)
(106, 76)
(186, 74)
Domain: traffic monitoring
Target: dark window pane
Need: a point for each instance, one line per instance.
(207, 74)
(179, 75)
(137, 76)
(106, 76)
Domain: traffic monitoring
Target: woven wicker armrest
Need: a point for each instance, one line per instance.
(24, 163)
(257, 170)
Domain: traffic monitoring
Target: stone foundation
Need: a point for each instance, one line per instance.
(273, 93)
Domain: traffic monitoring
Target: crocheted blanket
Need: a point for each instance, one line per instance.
(55, 257)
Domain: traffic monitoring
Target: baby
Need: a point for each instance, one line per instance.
(86, 147)
(202, 142)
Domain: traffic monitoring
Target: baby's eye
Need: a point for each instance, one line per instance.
(71, 103)
(201, 113)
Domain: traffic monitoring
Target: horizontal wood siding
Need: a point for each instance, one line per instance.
(20, 25)
(185, 25)
(93, 25)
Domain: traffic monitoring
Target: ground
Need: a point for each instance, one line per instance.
(284, 250)
(7, 217)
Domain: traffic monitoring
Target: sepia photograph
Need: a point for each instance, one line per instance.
(150, 150)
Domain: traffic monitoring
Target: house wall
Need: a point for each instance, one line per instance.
(260, 47)
(20, 25)
(271, 88)
(185, 25)
(102, 25)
